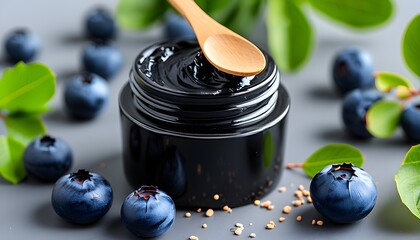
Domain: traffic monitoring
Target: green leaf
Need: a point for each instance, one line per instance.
(140, 14)
(26, 88)
(331, 154)
(383, 118)
(268, 149)
(24, 128)
(385, 81)
(407, 180)
(237, 15)
(356, 13)
(411, 45)
(11, 164)
(290, 36)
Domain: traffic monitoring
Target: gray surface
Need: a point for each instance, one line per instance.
(314, 120)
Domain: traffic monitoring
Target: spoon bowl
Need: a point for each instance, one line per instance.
(223, 48)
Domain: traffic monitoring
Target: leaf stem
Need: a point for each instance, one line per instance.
(3, 116)
(294, 165)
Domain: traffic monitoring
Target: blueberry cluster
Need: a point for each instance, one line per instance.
(353, 77)
(86, 94)
(84, 197)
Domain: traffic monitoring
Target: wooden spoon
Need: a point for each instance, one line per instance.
(224, 49)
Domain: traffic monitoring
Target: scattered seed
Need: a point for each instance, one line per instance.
(265, 204)
(227, 209)
(187, 214)
(193, 238)
(270, 225)
(299, 194)
(282, 189)
(306, 193)
(239, 225)
(282, 219)
(309, 199)
(270, 207)
(204, 225)
(252, 235)
(216, 197)
(313, 221)
(319, 222)
(209, 212)
(287, 209)
(301, 187)
(238, 231)
(299, 218)
(257, 202)
(199, 210)
(297, 203)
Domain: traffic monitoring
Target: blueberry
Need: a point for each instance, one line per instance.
(85, 96)
(410, 122)
(47, 158)
(22, 45)
(355, 106)
(102, 58)
(100, 24)
(81, 197)
(352, 69)
(343, 193)
(176, 27)
(148, 212)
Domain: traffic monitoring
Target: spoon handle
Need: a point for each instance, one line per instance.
(195, 16)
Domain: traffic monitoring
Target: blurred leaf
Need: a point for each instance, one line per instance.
(11, 164)
(268, 149)
(411, 45)
(385, 81)
(239, 16)
(290, 36)
(140, 14)
(407, 180)
(332, 154)
(26, 88)
(356, 13)
(383, 118)
(24, 128)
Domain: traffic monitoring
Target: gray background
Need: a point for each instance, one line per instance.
(314, 120)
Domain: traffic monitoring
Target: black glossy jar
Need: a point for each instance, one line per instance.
(195, 131)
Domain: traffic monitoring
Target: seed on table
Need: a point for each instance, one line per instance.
(216, 197)
(270, 225)
(287, 209)
(306, 193)
(239, 225)
(257, 202)
(209, 212)
(204, 225)
(193, 238)
(199, 210)
(301, 187)
(282, 189)
(265, 204)
(309, 200)
(297, 203)
(298, 194)
(299, 218)
(270, 207)
(238, 231)
(282, 219)
(187, 214)
(319, 222)
(252, 235)
(313, 222)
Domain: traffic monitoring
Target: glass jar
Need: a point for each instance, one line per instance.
(195, 131)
